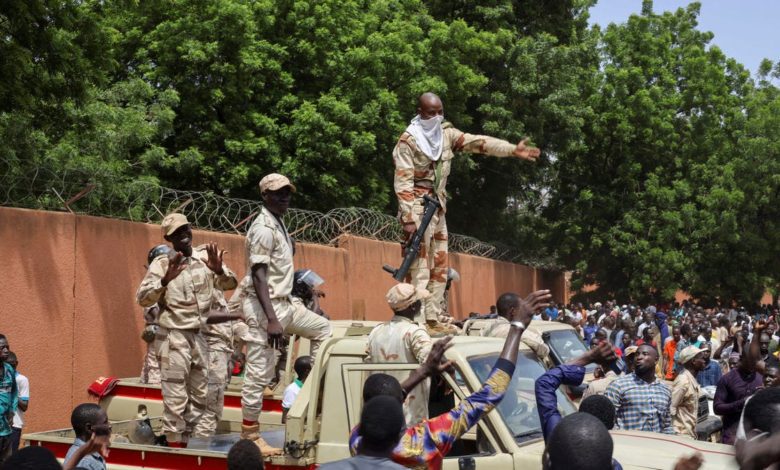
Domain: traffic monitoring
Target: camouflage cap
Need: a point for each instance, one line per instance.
(687, 354)
(173, 221)
(275, 182)
(402, 296)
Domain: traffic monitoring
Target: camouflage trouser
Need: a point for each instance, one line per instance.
(261, 358)
(429, 270)
(150, 373)
(218, 379)
(183, 370)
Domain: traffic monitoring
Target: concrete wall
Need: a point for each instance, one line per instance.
(67, 301)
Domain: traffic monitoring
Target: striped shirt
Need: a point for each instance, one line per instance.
(641, 406)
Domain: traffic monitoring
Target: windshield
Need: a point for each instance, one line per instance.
(518, 408)
(566, 345)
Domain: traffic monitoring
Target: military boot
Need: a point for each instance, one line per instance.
(252, 433)
(436, 328)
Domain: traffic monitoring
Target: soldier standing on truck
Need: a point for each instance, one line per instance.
(183, 286)
(401, 340)
(422, 157)
(267, 304)
(150, 372)
(223, 339)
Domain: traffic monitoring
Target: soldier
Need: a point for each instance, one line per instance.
(267, 304)
(401, 340)
(223, 340)
(150, 373)
(422, 157)
(183, 286)
(499, 328)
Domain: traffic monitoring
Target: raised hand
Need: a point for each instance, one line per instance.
(214, 261)
(524, 311)
(603, 353)
(434, 364)
(175, 267)
(526, 153)
(759, 326)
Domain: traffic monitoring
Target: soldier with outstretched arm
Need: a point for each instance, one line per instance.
(423, 157)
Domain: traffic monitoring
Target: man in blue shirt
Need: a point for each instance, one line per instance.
(590, 328)
(9, 397)
(711, 374)
(552, 312)
(557, 438)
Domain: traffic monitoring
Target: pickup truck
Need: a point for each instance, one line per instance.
(328, 407)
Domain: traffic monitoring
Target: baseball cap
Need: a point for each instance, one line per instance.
(173, 221)
(402, 296)
(274, 182)
(687, 354)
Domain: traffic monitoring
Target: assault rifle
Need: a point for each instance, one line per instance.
(412, 246)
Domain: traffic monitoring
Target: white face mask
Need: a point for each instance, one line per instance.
(428, 134)
(431, 124)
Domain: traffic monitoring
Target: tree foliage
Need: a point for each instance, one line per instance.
(660, 163)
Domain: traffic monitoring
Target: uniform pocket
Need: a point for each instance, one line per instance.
(173, 375)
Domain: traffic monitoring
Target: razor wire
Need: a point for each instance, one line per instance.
(101, 194)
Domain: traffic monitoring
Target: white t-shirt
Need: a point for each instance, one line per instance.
(23, 385)
(290, 393)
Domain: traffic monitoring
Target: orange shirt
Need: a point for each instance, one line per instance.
(669, 350)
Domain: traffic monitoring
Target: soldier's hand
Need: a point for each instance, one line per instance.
(214, 261)
(275, 334)
(409, 229)
(175, 267)
(526, 153)
(434, 364)
(524, 311)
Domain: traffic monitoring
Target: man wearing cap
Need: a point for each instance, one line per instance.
(401, 340)
(422, 157)
(265, 296)
(183, 286)
(686, 391)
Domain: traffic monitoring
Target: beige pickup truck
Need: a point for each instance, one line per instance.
(328, 407)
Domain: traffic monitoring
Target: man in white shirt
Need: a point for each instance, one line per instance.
(23, 385)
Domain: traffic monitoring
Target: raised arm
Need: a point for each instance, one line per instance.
(494, 147)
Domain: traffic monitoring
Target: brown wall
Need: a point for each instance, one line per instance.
(67, 303)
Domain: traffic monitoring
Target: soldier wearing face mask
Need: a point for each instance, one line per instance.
(422, 157)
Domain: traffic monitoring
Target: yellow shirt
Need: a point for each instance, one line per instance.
(685, 404)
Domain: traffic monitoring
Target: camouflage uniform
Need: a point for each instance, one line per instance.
(269, 243)
(499, 328)
(183, 353)
(417, 175)
(403, 341)
(150, 373)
